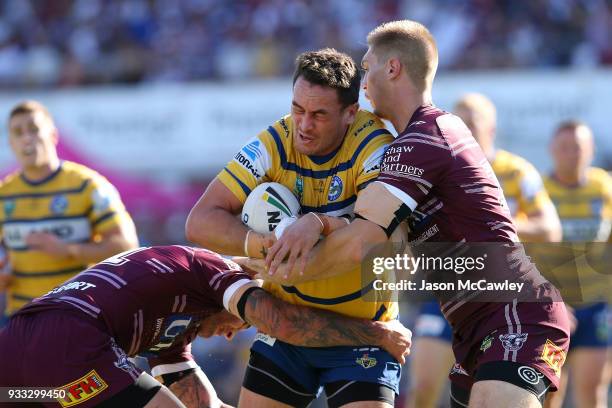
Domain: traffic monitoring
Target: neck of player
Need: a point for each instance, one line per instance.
(570, 177)
(408, 101)
(40, 172)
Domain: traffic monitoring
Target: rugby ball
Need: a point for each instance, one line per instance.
(267, 205)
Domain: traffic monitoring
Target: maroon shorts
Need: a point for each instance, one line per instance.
(533, 334)
(64, 349)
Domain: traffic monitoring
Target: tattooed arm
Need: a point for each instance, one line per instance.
(195, 390)
(310, 327)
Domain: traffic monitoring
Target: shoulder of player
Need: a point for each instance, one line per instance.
(510, 162)
(77, 171)
(369, 128)
(598, 177)
(8, 181)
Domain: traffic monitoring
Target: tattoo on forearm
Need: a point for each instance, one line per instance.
(309, 327)
(191, 391)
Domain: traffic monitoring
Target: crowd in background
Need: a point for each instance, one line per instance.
(77, 42)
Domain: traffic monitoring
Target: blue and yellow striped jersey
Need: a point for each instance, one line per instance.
(585, 212)
(520, 182)
(75, 203)
(329, 185)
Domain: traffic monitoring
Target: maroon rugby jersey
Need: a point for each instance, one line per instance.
(441, 167)
(151, 299)
(437, 169)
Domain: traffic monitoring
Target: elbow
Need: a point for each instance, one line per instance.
(193, 227)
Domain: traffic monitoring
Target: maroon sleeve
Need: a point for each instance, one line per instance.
(223, 277)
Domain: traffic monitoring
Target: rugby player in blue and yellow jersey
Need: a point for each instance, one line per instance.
(583, 197)
(326, 151)
(56, 217)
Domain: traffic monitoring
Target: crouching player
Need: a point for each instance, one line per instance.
(153, 302)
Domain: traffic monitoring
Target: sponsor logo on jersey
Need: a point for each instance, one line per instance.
(9, 207)
(366, 361)
(58, 204)
(530, 375)
(248, 155)
(83, 389)
(173, 327)
(513, 341)
(596, 206)
(486, 343)
(553, 356)
(364, 126)
(77, 285)
(252, 150)
(103, 197)
(283, 124)
(335, 189)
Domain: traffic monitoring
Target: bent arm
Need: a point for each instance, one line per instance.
(541, 225)
(309, 327)
(213, 223)
(112, 241)
(195, 390)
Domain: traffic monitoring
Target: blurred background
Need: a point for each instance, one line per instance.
(158, 95)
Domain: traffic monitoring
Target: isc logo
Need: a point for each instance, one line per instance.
(86, 387)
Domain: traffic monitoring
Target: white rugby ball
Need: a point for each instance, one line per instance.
(267, 205)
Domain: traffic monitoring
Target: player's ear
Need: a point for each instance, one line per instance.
(350, 112)
(393, 68)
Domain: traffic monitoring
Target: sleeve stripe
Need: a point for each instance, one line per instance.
(321, 174)
(244, 187)
(103, 218)
(399, 194)
(229, 292)
(173, 368)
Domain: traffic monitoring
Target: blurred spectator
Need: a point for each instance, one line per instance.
(76, 42)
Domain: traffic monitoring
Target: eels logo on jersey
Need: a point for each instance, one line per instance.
(58, 204)
(335, 189)
(366, 361)
(86, 387)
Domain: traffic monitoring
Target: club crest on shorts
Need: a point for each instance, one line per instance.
(366, 361)
(122, 359)
(513, 341)
(83, 389)
(553, 356)
(530, 375)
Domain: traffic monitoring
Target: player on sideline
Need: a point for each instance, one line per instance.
(56, 216)
(535, 219)
(326, 151)
(153, 302)
(435, 175)
(583, 196)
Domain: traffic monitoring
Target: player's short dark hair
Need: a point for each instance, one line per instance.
(29, 106)
(332, 68)
(570, 124)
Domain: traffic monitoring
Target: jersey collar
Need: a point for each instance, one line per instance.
(43, 180)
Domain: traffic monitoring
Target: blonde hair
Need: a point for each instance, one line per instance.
(480, 105)
(412, 44)
(30, 106)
